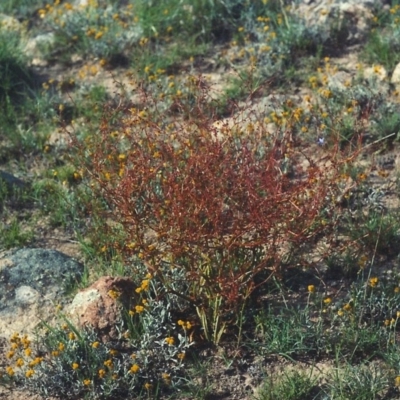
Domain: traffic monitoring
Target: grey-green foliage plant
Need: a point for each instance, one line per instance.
(282, 38)
(359, 382)
(361, 108)
(292, 385)
(205, 20)
(76, 362)
(364, 321)
(103, 31)
(383, 43)
(290, 331)
(21, 8)
(13, 235)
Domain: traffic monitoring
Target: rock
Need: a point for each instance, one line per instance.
(328, 17)
(11, 181)
(8, 23)
(81, 3)
(32, 281)
(34, 48)
(100, 305)
(395, 80)
(377, 74)
(357, 17)
(338, 80)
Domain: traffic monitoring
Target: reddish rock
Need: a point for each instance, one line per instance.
(100, 305)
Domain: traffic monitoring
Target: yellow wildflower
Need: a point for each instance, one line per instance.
(145, 284)
(347, 307)
(373, 281)
(20, 362)
(165, 375)
(362, 262)
(36, 361)
(10, 354)
(29, 373)
(170, 340)
(98, 35)
(134, 369)
(113, 352)
(113, 293)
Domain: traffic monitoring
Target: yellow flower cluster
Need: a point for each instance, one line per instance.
(21, 346)
(185, 325)
(143, 286)
(138, 309)
(114, 294)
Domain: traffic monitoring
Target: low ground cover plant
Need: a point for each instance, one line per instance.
(148, 357)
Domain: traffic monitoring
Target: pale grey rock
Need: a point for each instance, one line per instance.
(84, 298)
(377, 74)
(25, 295)
(81, 3)
(34, 46)
(339, 80)
(9, 23)
(32, 282)
(325, 16)
(396, 76)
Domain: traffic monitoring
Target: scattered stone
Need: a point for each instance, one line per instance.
(350, 18)
(377, 73)
(339, 80)
(10, 180)
(396, 76)
(32, 281)
(34, 46)
(100, 305)
(8, 23)
(81, 3)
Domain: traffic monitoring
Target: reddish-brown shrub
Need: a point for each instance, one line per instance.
(225, 205)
